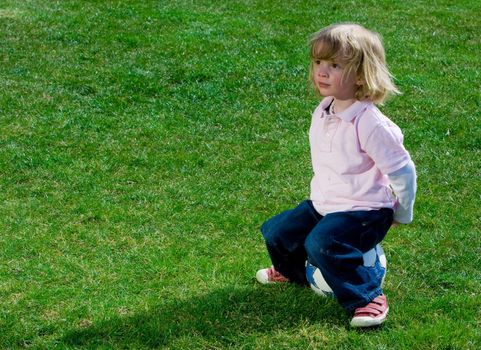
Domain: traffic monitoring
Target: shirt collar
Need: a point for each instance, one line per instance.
(348, 114)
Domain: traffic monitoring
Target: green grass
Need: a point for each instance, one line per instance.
(142, 144)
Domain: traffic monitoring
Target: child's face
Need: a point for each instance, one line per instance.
(330, 80)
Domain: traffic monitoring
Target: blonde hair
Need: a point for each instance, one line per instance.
(359, 50)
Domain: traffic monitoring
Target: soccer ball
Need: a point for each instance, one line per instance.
(320, 286)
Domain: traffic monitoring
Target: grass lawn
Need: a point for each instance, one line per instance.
(143, 143)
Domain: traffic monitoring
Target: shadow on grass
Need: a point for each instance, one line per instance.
(222, 317)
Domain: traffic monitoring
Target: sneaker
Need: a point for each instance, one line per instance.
(270, 275)
(373, 314)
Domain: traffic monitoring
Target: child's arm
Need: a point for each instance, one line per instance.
(403, 182)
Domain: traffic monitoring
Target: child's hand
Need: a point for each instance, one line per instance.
(395, 224)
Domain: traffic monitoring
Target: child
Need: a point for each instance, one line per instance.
(364, 179)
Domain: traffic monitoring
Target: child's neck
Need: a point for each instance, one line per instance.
(342, 105)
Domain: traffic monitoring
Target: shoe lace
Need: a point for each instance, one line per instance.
(275, 276)
(374, 308)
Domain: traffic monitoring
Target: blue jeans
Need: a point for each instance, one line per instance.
(335, 243)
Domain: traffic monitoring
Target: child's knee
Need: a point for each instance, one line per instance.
(271, 233)
(281, 238)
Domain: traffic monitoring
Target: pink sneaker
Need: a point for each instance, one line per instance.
(373, 314)
(270, 275)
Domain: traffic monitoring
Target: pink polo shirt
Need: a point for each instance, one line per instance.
(352, 153)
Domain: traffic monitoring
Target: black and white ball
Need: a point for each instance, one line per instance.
(320, 286)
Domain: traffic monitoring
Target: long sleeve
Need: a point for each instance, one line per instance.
(403, 182)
